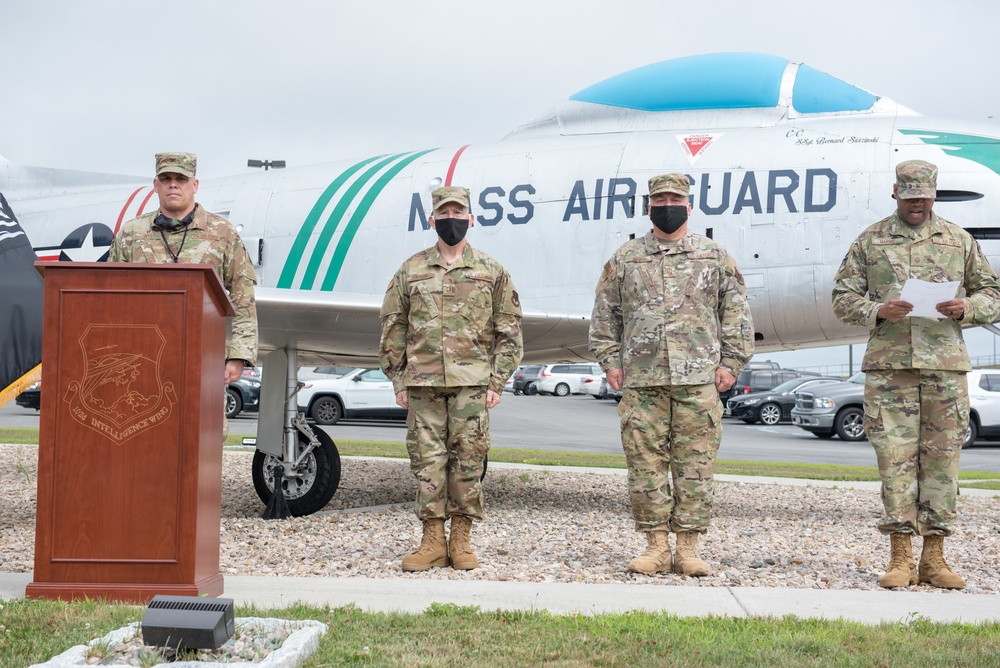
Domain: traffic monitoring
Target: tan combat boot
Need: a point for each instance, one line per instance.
(433, 550)
(656, 558)
(459, 549)
(934, 570)
(902, 571)
(686, 559)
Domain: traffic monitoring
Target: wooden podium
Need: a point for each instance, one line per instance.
(130, 440)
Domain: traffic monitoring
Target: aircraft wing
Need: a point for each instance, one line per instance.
(337, 328)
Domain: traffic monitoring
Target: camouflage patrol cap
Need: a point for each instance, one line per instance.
(445, 194)
(177, 163)
(916, 179)
(670, 183)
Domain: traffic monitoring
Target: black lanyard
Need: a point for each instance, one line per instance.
(170, 250)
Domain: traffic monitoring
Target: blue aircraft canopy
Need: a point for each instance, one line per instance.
(817, 92)
(723, 81)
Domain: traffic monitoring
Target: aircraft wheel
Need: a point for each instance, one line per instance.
(770, 414)
(234, 403)
(314, 483)
(326, 410)
(562, 390)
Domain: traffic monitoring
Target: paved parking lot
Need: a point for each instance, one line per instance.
(584, 424)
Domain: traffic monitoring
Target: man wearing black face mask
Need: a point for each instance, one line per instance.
(671, 325)
(451, 337)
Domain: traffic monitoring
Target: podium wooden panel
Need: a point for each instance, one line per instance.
(130, 440)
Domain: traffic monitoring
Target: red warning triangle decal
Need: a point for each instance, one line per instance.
(694, 145)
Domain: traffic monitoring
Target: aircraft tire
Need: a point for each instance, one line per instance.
(316, 483)
(234, 403)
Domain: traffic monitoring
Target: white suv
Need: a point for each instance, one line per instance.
(984, 405)
(563, 379)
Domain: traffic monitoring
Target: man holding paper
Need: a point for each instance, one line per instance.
(916, 395)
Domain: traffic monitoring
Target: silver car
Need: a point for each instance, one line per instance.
(832, 410)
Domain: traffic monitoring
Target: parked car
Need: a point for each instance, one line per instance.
(597, 387)
(361, 393)
(564, 379)
(526, 379)
(775, 405)
(307, 373)
(751, 365)
(31, 397)
(984, 406)
(509, 385)
(243, 394)
(762, 380)
(834, 409)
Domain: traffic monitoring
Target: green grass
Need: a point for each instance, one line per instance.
(992, 484)
(349, 448)
(357, 448)
(446, 634)
(19, 435)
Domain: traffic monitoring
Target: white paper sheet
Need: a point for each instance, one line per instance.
(925, 295)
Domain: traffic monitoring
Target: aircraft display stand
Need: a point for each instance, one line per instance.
(130, 438)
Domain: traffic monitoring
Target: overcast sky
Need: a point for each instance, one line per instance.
(102, 85)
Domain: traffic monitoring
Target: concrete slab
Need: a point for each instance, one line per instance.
(404, 595)
(417, 595)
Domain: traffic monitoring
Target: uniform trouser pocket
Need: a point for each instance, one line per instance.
(671, 432)
(448, 440)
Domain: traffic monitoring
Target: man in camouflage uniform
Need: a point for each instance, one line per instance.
(181, 231)
(451, 336)
(916, 395)
(671, 325)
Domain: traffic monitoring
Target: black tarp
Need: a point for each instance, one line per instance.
(20, 304)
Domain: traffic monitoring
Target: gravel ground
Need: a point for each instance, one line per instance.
(549, 527)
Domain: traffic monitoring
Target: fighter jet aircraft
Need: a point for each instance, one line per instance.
(787, 165)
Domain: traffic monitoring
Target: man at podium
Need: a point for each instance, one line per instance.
(182, 231)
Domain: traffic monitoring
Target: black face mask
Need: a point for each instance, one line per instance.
(451, 230)
(172, 224)
(669, 218)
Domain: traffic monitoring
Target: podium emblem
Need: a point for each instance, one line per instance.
(121, 393)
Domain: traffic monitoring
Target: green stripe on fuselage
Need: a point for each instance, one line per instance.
(323, 242)
(302, 238)
(333, 272)
(984, 150)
